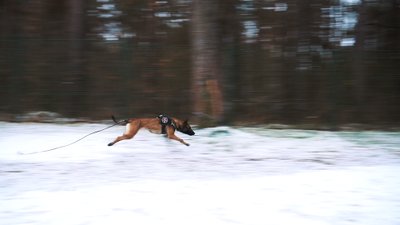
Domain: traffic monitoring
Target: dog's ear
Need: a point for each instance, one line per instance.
(185, 121)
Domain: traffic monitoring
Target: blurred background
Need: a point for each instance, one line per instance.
(310, 62)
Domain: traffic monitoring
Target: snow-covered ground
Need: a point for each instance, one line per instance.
(227, 176)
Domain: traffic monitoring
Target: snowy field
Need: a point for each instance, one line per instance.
(228, 175)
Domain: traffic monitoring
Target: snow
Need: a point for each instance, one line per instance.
(227, 176)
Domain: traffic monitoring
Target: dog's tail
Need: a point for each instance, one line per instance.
(121, 122)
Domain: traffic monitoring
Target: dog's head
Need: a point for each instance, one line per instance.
(185, 128)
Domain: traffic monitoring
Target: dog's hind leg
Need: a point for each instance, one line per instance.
(130, 132)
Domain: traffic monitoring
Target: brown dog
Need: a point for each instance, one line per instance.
(158, 125)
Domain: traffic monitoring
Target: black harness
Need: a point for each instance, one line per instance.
(165, 121)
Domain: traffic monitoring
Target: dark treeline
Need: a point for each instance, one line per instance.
(234, 61)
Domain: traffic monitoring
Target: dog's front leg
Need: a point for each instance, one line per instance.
(171, 135)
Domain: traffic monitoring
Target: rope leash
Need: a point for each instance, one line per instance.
(63, 146)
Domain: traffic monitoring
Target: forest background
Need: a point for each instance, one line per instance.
(310, 63)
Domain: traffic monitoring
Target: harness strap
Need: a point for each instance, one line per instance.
(165, 121)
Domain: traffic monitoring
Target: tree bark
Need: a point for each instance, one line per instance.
(207, 98)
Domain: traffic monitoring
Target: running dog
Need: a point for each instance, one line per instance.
(158, 125)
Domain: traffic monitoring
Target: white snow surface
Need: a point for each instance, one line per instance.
(228, 175)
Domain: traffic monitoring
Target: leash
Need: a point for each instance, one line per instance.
(63, 146)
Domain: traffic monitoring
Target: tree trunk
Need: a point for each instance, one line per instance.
(207, 96)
